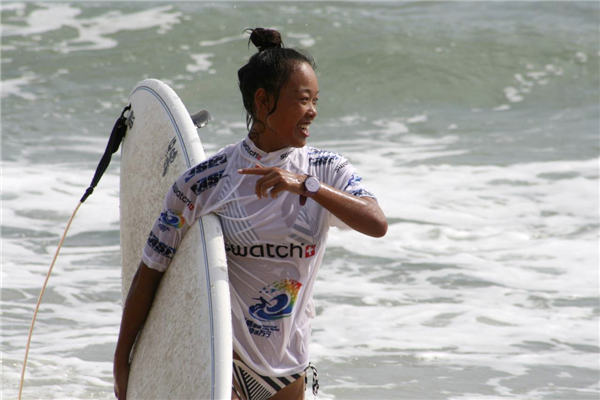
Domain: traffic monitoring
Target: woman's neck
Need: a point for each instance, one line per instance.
(264, 141)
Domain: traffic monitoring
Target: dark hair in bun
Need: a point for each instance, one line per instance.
(269, 68)
(264, 39)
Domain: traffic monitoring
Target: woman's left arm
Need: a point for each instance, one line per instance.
(359, 213)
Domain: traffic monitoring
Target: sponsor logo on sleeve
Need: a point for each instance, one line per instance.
(159, 247)
(325, 158)
(172, 219)
(182, 197)
(361, 192)
(212, 162)
(353, 181)
(341, 166)
(318, 157)
(353, 187)
(206, 183)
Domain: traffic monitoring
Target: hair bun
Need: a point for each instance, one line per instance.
(265, 39)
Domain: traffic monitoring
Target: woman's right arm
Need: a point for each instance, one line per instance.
(137, 306)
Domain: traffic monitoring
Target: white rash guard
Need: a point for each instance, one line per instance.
(274, 246)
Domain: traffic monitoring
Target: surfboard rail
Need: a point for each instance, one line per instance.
(185, 349)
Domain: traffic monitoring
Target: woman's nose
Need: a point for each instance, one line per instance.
(312, 110)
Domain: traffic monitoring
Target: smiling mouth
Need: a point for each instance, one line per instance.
(304, 129)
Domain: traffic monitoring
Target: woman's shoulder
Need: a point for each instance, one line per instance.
(221, 157)
(321, 157)
(212, 166)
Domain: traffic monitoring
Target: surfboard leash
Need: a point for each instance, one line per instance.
(116, 137)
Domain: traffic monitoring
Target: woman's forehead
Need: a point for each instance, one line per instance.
(303, 78)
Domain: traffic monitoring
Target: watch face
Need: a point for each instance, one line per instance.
(312, 184)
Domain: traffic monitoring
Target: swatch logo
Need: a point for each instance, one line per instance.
(273, 250)
(181, 196)
(252, 153)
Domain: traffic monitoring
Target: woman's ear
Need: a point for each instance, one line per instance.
(262, 102)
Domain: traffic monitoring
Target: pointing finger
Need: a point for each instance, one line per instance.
(257, 170)
(253, 171)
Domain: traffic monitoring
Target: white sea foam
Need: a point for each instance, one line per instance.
(581, 57)
(305, 39)
(75, 327)
(49, 18)
(468, 268)
(417, 119)
(349, 120)
(223, 40)
(388, 127)
(14, 87)
(513, 94)
(202, 63)
(479, 229)
(525, 83)
(20, 7)
(92, 33)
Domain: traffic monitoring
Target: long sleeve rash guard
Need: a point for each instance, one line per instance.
(274, 247)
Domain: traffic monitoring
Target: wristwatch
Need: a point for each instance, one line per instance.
(311, 185)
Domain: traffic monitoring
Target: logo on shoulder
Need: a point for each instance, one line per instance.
(354, 187)
(322, 157)
(207, 183)
(212, 162)
(341, 166)
(354, 180)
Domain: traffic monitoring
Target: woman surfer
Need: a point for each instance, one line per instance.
(276, 198)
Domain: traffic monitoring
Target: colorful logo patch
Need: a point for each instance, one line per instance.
(276, 301)
(173, 219)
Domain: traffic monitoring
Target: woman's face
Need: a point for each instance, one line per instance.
(296, 108)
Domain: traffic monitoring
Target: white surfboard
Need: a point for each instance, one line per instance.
(185, 348)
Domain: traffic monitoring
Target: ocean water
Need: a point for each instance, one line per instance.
(475, 123)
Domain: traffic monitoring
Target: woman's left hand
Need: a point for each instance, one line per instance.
(276, 180)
